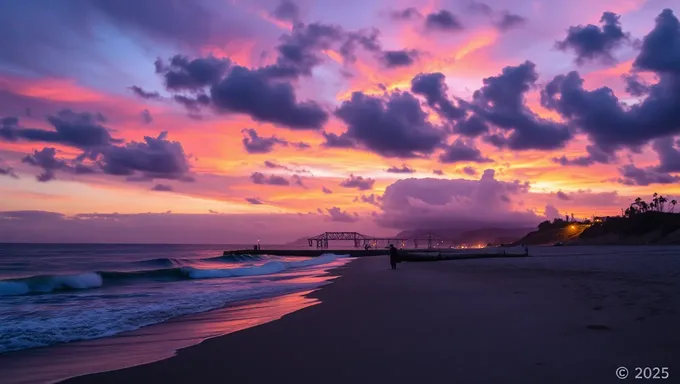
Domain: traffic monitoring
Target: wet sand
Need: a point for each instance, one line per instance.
(528, 320)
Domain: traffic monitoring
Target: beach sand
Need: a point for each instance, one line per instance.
(531, 320)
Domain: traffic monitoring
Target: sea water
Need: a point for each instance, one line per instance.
(54, 294)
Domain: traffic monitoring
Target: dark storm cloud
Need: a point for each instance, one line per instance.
(501, 102)
(192, 104)
(287, 10)
(260, 178)
(337, 214)
(257, 144)
(358, 182)
(459, 151)
(635, 86)
(79, 130)
(300, 49)
(368, 39)
(155, 158)
(403, 169)
(595, 155)
(660, 50)
(162, 188)
(669, 155)
(144, 94)
(406, 14)
(434, 89)
(509, 21)
(254, 201)
(338, 141)
(182, 73)
(402, 58)
(591, 42)
(393, 126)
(47, 160)
(249, 92)
(473, 126)
(146, 117)
(443, 21)
(632, 175)
(599, 113)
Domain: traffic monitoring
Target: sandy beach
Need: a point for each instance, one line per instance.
(535, 320)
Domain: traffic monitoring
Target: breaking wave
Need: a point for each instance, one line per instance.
(175, 270)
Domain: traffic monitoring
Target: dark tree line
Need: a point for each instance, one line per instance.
(657, 204)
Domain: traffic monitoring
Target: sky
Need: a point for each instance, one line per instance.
(232, 121)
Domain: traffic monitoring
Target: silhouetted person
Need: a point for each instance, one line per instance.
(394, 256)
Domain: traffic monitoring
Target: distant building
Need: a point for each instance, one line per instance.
(600, 219)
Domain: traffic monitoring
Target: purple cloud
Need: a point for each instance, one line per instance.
(358, 182)
(162, 188)
(403, 169)
(260, 178)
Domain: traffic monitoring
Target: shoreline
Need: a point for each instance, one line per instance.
(472, 321)
(149, 344)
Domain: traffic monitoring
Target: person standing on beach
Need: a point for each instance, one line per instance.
(394, 256)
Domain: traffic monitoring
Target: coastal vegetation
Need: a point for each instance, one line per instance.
(642, 222)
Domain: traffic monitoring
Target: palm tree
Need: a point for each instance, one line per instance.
(662, 203)
(673, 202)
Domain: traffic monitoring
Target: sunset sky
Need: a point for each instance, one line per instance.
(228, 121)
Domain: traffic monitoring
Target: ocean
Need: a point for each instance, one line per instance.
(55, 294)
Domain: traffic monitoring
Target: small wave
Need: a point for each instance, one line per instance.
(46, 284)
(265, 269)
(159, 262)
(172, 262)
(236, 258)
(52, 283)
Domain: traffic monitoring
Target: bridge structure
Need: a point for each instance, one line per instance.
(361, 240)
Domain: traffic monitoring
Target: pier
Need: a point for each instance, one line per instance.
(404, 254)
(361, 240)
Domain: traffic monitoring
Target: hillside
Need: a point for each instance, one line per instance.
(643, 228)
(551, 236)
(650, 227)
